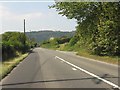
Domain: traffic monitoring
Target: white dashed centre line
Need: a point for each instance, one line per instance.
(89, 73)
(74, 69)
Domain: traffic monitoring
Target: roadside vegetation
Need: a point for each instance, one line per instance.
(7, 66)
(41, 36)
(98, 31)
(15, 46)
(55, 43)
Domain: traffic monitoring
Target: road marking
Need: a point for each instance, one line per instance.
(74, 69)
(91, 59)
(87, 72)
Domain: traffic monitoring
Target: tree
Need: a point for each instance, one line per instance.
(12, 42)
(98, 24)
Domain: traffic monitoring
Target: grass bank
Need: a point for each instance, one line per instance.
(50, 46)
(7, 66)
(108, 59)
(83, 52)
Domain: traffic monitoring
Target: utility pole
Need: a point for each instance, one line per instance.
(24, 33)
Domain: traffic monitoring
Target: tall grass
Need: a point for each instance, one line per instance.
(7, 66)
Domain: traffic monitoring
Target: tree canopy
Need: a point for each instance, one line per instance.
(98, 24)
(13, 42)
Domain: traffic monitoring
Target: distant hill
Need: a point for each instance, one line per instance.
(40, 36)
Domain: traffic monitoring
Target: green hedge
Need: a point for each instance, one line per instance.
(13, 42)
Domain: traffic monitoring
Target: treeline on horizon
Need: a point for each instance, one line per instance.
(41, 36)
(13, 44)
(98, 28)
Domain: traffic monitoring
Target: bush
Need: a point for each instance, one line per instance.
(74, 40)
(63, 40)
(7, 50)
(13, 42)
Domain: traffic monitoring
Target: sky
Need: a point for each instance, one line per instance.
(38, 17)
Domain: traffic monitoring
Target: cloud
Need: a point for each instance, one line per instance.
(35, 20)
(6, 14)
(32, 15)
(3, 11)
(14, 21)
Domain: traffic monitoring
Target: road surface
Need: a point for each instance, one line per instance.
(45, 68)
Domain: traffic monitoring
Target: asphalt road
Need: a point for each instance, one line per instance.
(45, 68)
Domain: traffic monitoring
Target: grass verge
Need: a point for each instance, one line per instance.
(108, 59)
(84, 53)
(7, 66)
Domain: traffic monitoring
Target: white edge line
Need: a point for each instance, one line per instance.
(95, 60)
(87, 72)
(74, 69)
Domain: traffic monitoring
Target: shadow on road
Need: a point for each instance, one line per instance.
(95, 80)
